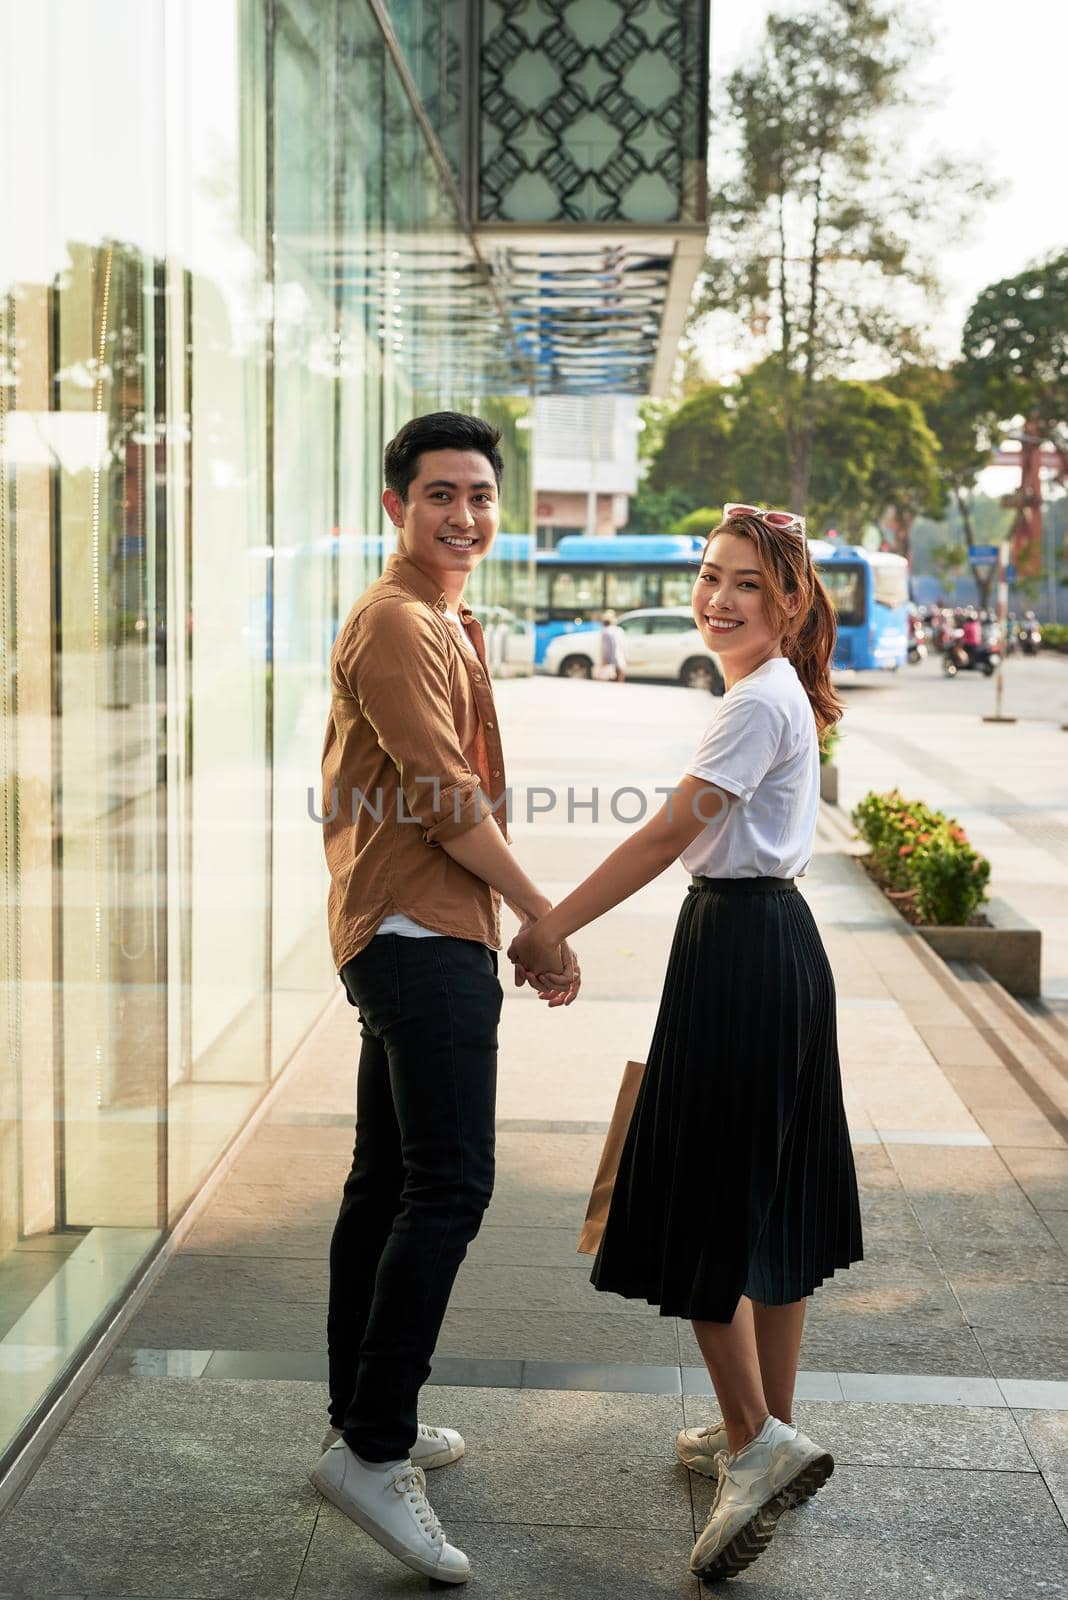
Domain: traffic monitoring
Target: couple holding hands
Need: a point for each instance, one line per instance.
(736, 1193)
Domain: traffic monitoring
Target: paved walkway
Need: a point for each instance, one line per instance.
(934, 1370)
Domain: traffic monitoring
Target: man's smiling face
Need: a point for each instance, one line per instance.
(451, 515)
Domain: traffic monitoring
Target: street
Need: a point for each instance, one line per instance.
(1035, 689)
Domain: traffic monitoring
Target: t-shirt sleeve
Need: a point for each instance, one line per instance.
(740, 744)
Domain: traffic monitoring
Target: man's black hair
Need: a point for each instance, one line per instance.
(439, 430)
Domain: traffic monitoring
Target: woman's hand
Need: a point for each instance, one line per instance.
(534, 950)
(549, 965)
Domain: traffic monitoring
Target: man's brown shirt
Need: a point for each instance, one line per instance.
(412, 756)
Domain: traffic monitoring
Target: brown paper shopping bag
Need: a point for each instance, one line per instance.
(601, 1194)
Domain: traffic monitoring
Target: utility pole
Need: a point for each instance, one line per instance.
(1004, 552)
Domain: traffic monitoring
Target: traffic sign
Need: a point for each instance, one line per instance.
(983, 554)
(1010, 573)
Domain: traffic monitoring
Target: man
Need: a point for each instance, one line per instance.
(613, 649)
(416, 843)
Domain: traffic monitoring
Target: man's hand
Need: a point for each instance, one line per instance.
(549, 967)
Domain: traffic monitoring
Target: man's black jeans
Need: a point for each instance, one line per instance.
(421, 1179)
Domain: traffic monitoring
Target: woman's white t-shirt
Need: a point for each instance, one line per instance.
(760, 746)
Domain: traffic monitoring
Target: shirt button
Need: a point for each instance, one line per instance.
(478, 677)
(489, 724)
(496, 772)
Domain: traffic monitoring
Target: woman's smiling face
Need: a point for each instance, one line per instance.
(729, 604)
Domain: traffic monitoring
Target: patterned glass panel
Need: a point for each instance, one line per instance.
(593, 111)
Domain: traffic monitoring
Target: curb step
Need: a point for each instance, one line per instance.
(1042, 1028)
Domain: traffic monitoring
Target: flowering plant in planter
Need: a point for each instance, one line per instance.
(923, 859)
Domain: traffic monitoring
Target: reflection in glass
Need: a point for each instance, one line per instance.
(210, 323)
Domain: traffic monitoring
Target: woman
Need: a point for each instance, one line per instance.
(736, 1194)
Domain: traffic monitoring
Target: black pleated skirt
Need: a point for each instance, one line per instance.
(737, 1174)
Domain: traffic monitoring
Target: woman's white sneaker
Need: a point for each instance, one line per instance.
(697, 1448)
(434, 1447)
(389, 1502)
(776, 1470)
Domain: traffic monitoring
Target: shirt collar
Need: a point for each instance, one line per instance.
(413, 578)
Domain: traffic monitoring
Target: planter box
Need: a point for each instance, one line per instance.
(1011, 950)
(829, 782)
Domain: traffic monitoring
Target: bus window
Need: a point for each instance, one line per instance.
(845, 585)
(627, 590)
(541, 594)
(577, 591)
(676, 588)
(891, 586)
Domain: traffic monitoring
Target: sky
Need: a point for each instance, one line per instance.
(996, 76)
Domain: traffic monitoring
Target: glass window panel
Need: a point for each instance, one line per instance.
(303, 568)
(891, 586)
(221, 622)
(577, 590)
(676, 588)
(626, 590)
(845, 585)
(671, 624)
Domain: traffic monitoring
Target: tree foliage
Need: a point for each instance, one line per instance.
(817, 230)
(871, 449)
(953, 412)
(1015, 345)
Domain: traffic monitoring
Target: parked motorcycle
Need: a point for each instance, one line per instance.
(961, 657)
(1030, 637)
(917, 640)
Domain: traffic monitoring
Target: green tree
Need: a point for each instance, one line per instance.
(1015, 358)
(872, 452)
(694, 456)
(654, 511)
(947, 398)
(697, 523)
(819, 226)
(1015, 346)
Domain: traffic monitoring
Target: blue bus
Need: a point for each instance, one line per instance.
(584, 576)
(870, 591)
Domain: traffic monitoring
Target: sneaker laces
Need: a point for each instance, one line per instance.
(722, 1474)
(431, 1433)
(713, 1427)
(412, 1484)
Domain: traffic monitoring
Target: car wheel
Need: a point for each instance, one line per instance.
(697, 673)
(575, 667)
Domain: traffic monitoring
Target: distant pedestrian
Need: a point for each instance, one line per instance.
(613, 649)
(736, 1194)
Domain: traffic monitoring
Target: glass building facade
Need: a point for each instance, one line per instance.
(241, 241)
(235, 270)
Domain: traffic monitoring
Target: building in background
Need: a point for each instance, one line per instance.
(243, 241)
(585, 464)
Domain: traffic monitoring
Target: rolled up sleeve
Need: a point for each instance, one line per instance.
(398, 671)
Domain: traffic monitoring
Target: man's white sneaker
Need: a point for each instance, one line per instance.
(390, 1504)
(697, 1448)
(776, 1470)
(434, 1447)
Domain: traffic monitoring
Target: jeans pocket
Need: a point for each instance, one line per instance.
(372, 983)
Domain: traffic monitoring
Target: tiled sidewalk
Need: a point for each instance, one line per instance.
(933, 1370)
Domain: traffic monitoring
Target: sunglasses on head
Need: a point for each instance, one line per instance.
(788, 521)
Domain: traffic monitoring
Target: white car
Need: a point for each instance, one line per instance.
(661, 642)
